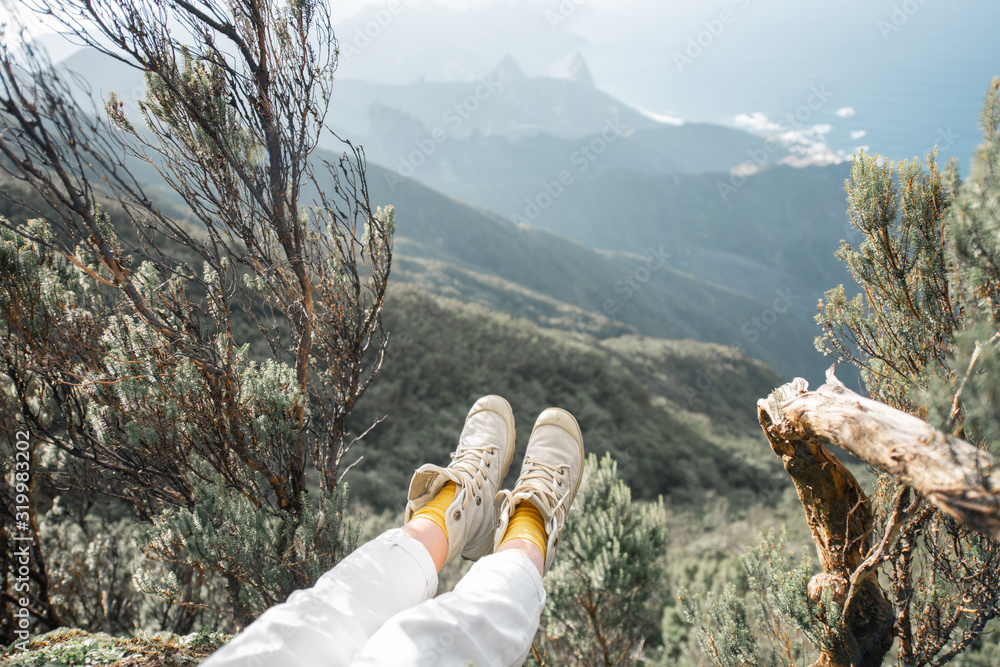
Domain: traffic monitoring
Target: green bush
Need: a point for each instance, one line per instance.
(607, 586)
(763, 625)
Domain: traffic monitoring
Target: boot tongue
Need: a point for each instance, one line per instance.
(535, 500)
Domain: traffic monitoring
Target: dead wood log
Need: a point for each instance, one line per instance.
(840, 517)
(958, 478)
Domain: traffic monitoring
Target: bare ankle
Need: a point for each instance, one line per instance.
(431, 536)
(526, 547)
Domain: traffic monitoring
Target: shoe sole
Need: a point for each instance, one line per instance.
(567, 422)
(499, 405)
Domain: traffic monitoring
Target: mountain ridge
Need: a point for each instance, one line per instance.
(663, 301)
(672, 301)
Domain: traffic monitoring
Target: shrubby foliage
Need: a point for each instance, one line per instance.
(605, 590)
(764, 625)
(925, 336)
(924, 332)
(67, 646)
(128, 336)
(136, 404)
(244, 547)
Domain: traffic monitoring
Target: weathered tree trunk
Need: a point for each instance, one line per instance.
(956, 477)
(840, 518)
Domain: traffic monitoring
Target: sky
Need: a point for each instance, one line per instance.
(903, 76)
(897, 77)
(347, 8)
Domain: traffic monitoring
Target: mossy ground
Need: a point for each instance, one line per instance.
(75, 647)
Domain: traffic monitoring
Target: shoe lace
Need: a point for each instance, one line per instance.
(550, 491)
(474, 461)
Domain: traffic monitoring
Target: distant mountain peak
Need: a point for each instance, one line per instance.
(508, 69)
(579, 72)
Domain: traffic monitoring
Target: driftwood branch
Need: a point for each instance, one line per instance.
(947, 473)
(958, 478)
(840, 518)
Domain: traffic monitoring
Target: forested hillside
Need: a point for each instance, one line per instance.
(673, 413)
(641, 289)
(664, 408)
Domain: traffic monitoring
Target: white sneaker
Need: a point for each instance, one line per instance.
(550, 476)
(478, 466)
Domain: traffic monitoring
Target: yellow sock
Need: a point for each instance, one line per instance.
(435, 509)
(526, 524)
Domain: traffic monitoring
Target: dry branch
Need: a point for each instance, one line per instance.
(958, 478)
(840, 518)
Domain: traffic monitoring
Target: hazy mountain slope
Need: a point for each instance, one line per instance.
(665, 303)
(772, 235)
(497, 294)
(503, 102)
(482, 161)
(626, 393)
(779, 228)
(509, 126)
(473, 133)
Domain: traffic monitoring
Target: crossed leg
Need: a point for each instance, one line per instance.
(376, 607)
(490, 618)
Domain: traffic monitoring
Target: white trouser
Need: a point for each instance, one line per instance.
(376, 608)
